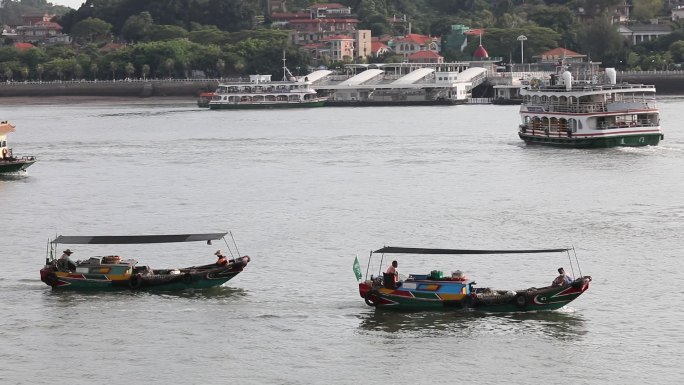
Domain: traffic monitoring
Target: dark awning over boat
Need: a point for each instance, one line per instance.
(414, 250)
(130, 239)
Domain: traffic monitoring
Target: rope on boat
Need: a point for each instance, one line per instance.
(572, 267)
(230, 251)
(368, 265)
(236, 248)
(576, 261)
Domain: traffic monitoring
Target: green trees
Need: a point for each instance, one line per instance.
(643, 10)
(220, 37)
(600, 41)
(91, 30)
(137, 27)
(227, 15)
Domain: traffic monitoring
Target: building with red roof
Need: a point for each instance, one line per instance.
(331, 23)
(426, 57)
(557, 54)
(323, 25)
(327, 10)
(413, 42)
(378, 48)
(111, 47)
(21, 46)
(39, 29)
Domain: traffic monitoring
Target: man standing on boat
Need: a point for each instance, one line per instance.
(562, 279)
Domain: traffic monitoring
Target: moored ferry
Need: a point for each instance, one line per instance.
(262, 92)
(582, 108)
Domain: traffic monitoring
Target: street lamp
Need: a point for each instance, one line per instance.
(522, 39)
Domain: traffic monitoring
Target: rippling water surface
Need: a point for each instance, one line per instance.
(306, 191)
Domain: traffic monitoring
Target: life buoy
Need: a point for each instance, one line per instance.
(4, 153)
(135, 282)
(368, 300)
(520, 300)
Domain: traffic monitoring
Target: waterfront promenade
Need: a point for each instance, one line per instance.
(128, 88)
(666, 83)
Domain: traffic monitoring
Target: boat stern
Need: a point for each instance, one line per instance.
(365, 288)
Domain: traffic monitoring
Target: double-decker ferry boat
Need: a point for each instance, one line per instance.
(584, 108)
(262, 92)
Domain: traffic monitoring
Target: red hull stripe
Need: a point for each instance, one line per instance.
(620, 133)
(612, 113)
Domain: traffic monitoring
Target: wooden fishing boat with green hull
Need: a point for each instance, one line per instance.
(432, 291)
(113, 272)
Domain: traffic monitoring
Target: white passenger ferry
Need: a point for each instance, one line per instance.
(584, 108)
(262, 92)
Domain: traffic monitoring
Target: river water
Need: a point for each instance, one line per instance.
(304, 192)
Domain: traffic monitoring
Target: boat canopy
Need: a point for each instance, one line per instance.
(6, 127)
(414, 250)
(131, 239)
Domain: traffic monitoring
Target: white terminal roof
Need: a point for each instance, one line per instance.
(470, 74)
(361, 78)
(315, 76)
(414, 76)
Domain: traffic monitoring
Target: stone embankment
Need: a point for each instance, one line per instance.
(127, 88)
(665, 82)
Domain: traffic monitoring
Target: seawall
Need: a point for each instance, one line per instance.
(128, 88)
(665, 82)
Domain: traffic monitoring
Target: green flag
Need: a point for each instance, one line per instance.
(357, 269)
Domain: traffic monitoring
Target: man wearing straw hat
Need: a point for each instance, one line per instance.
(222, 261)
(65, 262)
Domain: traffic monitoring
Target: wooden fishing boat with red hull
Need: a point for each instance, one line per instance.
(433, 291)
(116, 273)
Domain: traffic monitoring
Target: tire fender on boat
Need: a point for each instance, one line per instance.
(135, 282)
(51, 279)
(520, 300)
(367, 299)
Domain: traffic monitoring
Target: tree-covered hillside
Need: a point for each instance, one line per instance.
(233, 37)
